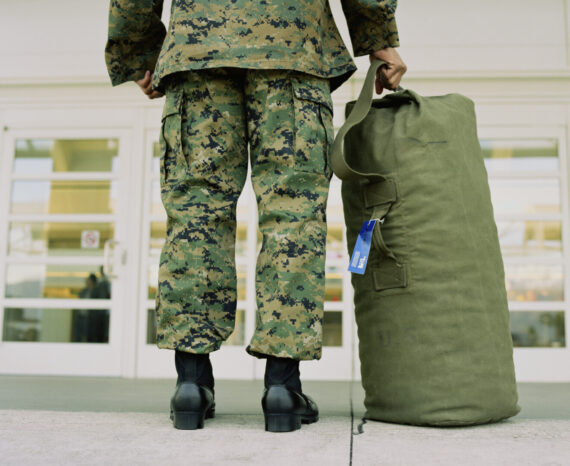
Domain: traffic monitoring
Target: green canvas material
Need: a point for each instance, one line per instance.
(431, 309)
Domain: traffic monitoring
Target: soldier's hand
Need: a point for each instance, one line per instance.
(389, 77)
(146, 85)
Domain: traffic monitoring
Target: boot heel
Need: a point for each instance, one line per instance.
(188, 421)
(282, 422)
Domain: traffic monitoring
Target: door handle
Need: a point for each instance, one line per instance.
(108, 249)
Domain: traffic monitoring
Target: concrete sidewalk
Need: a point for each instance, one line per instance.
(64, 420)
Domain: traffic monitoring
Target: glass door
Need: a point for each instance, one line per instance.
(62, 262)
(528, 176)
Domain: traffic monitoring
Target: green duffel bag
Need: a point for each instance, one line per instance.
(431, 307)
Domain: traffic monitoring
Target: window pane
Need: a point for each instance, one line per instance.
(535, 282)
(58, 239)
(156, 158)
(333, 287)
(518, 156)
(335, 246)
(57, 281)
(531, 238)
(538, 329)
(156, 242)
(241, 282)
(156, 207)
(153, 278)
(56, 325)
(63, 197)
(332, 328)
(525, 196)
(241, 240)
(157, 237)
(35, 156)
(151, 327)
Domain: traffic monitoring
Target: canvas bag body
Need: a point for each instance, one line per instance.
(431, 309)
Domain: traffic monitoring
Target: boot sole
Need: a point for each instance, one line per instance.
(286, 422)
(188, 420)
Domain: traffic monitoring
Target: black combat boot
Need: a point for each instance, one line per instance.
(284, 404)
(193, 399)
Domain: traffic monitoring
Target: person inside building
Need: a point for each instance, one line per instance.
(239, 75)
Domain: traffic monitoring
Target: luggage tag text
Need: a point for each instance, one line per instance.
(361, 251)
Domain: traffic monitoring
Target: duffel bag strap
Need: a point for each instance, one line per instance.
(361, 108)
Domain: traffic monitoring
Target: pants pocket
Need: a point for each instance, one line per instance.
(173, 163)
(313, 124)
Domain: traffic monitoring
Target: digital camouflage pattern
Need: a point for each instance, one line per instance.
(296, 35)
(209, 118)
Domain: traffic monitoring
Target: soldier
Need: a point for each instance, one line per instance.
(237, 74)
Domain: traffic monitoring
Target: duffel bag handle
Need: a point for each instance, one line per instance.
(361, 108)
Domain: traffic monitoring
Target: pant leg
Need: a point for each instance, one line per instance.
(203, 170)
(290, 128)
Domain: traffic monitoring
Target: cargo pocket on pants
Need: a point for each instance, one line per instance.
(314, 131)
(173, 163)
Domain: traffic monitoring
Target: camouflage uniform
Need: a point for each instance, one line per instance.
(296, 35)
(238, 73)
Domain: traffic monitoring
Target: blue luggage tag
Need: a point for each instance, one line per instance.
(361, 251)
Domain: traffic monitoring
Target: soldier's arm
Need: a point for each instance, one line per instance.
(134, 39)
(373, 31)
(371, 24)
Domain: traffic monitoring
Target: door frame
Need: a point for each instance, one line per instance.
(67, 358)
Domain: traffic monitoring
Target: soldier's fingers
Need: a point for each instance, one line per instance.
(382, 80)
(145, 81)
(379, 86)
(155, 95)
(393, 76)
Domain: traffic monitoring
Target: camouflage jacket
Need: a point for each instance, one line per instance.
(264, 34)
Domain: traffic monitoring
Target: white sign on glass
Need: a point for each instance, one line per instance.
(90, 239)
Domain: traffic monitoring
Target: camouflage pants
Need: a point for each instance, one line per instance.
(210, 117)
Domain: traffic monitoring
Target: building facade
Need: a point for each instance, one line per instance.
(82, 225)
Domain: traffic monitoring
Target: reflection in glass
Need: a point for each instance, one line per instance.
(237, 338)
(63, 197)
(45, 156)
(62, 239)
(56, 325)
(332, 328)
(334, 211)
(156, 207)
(242, 209)
(530, 196)
(57, 282)
(531, 238)
(534, 282)
(157, 237)
(153, 277)
(156, 158)
(335, 246)
(241, 239)
(241, 281)
(151, 326)
(519, 156)
(333, 287)
(538, 329)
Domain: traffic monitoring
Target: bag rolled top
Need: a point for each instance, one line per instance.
(431, 308)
